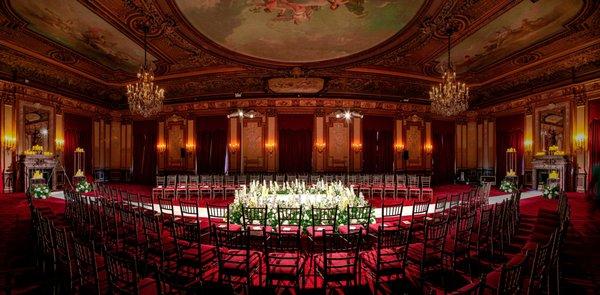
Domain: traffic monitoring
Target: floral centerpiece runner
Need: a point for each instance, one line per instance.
(293, 195)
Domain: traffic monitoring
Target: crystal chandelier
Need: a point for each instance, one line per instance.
(450, 97)
(144, 97)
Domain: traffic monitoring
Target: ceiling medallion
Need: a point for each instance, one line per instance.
(451, 97)
(144, 97)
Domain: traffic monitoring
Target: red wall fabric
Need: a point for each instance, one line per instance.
(378, 144)
(144, 151)
(594, 146)
(211, 145)
(509, 133)
(443, 137)
(78, 133)
(295, 143)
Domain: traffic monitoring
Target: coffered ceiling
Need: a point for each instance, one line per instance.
(380, 49)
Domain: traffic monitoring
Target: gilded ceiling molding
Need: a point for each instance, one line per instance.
(572, 92)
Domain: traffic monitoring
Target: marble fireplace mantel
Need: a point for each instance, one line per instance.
(561, 164)
(30, 163)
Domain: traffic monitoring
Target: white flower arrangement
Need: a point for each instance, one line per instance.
(39, 191)
(83, 187)
(550, 191)
(508, 186)
(293, 195)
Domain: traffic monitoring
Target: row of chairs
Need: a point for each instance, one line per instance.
(211, 186)
(124, 238)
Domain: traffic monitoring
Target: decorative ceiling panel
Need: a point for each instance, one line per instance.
(374, 49)
(71, 24)
(520, 27)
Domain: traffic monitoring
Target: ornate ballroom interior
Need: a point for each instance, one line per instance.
(299, 146)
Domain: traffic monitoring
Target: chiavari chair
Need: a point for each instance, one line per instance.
(389, 186)
(339, 260)
(283, 259)
(391, 216)
(289, 220)
(388, 259)
(358, 219)
(235, 257)
(160, 186)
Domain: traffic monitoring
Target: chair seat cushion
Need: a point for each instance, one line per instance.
(317, 230)
(416, 253)
(232, 227)
(234, 261)
(353, 228)
(284, 264)
(340, 264)
(390, 260)
(288, 229)
(257, 230)
(374, 227)
(209, 252)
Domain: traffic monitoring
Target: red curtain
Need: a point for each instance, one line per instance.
(443, 151)
(509, 134)
(295, 143)
(594, 145)
(144, 151)
(211, 146)
(78, 133)
(378, 144)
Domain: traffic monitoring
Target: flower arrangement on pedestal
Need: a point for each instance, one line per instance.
(39, 191)
(293, 195)
(83, 187)
(508, 186)
(550, 191)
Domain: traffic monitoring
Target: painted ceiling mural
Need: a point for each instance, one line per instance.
(73, 25)
(299, 30)
(520, 27)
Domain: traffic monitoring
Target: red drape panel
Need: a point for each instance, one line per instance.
(211, 145)
(295, 143)
(78, 133)
(443, 137)
(594, 144)
(378, 144)
(144, 151)
(509, 133)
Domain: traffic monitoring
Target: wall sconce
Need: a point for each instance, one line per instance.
(60, 144)
(580, 142)
(357, 147)
(428, 148)
(399, 147)
(9, 142)
(190, 147)
(270, 147)
(234, 147)
(161, 147)
(320, 146)
(528, 145)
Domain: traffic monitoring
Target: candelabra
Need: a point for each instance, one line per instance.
(428, 148)
(161, 147)
(320, 146)
(270, 147)
(9, 142)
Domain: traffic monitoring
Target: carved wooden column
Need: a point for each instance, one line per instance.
(9, 136)
(580, 138)
(271, 143)
(319, 141)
